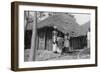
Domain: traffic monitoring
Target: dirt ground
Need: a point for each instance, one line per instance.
(44, 55)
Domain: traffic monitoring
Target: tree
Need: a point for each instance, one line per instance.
(33, 49)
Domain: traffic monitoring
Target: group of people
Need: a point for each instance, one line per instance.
(61, 44)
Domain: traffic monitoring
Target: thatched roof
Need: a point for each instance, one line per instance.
(64, 23)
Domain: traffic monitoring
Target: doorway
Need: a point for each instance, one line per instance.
(44, 38)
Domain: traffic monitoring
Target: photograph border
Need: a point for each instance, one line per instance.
(15, 34)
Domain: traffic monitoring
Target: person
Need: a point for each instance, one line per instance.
(55, 46)
(66, 44)
(54, 41)
(60, 44)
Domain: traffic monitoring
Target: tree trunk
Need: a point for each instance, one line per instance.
(33, 39)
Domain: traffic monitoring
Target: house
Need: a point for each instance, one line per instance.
(64, 22)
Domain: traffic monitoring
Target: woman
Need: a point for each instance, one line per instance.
(66, 43)
(60, 44)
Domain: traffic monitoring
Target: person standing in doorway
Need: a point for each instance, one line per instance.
(66, 43)
(54, 48)
(60, 44)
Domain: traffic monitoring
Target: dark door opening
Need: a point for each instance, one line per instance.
(44, 38)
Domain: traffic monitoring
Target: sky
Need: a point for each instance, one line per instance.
(82, 18)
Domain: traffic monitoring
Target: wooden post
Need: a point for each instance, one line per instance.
(88, 39)
(33, 39)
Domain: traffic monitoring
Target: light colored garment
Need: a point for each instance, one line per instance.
(54, 47)
(88, 36)
(66, 43)
(60, 44)
(59, 50)
(54, 44)
(88, 40)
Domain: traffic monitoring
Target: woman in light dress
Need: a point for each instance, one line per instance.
(66, 41)
(60, 44)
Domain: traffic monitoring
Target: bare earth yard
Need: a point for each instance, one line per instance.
(44, 55)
